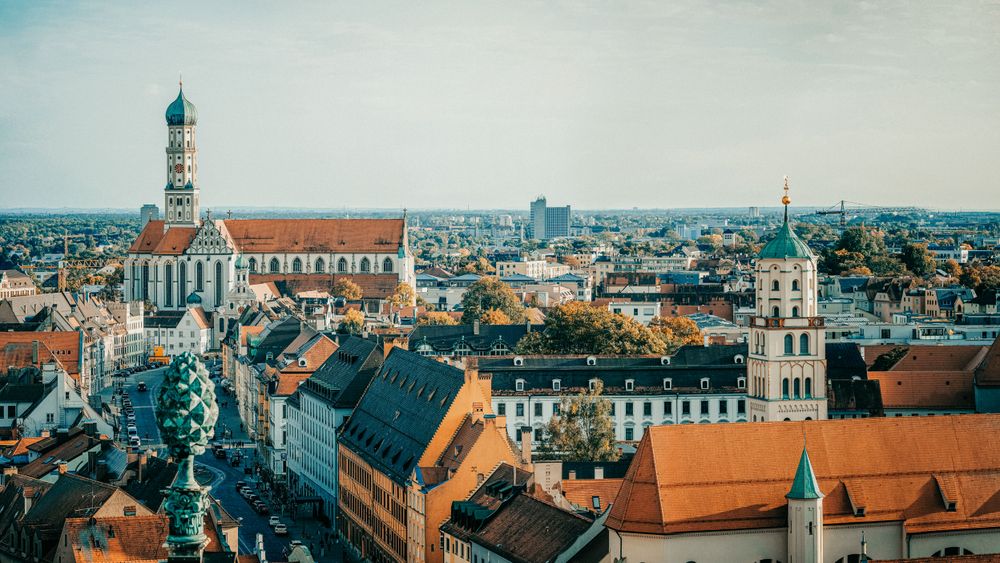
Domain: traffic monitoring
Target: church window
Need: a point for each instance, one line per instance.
(775, 286)
(795, 311)
(182, 280)
(774, 311)
(199, 277)
(218, 282)
(387, 265)
(168, 288)
(797, 388)
(170, 201)
(297, 266)
(320, 265)
(275, 266)
(789, 342)
(784, 388)
(253, 265)
(809, 388)
(145, 281)
(342, 265)
(366, 265)
(795, 285)
(804, 344)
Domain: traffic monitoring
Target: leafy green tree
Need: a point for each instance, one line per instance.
(583, 430)
(885, 266)
(918, 259)
(676, 332)
(347, 289)
(578, 328)
(491, 293)
(863, 240)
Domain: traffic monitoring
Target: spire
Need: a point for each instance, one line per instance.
(785, 200)
(804, 485)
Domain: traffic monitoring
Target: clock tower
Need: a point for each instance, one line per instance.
(180, 196)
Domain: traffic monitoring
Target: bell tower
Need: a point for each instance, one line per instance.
(786, 368)
(180, 196)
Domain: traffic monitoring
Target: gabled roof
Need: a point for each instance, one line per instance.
(344, 376)
(64, 345)
(445, 337)
(988, 372)
(741, 481)
(48, 461)
(71, 495)
(154, 240)
(382, 236)
(400, 412)
(121, 539)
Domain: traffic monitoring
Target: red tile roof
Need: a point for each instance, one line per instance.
(316, 235)
(153, 239)
(940, 358)
(740, 481)
(925, 389)
(988, 371)
(581, 492)
(373, 286)
(20, 354)
(125, 539)
(64, 345)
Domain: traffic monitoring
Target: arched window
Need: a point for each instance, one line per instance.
(275, 266)
(789, 341)
(320, 266)
(774, 311)
(795, 311)
(795, 285)
(168, 287)
(775, 285)
(804, 344)
(366, 265)
(809, 388)
(342, 265)
(797, 388)
(253, 265)
(182, 281)
(387, 266)
(784, 388)
(218, 281)
(145, 281)
(297, 266)
(199, 277)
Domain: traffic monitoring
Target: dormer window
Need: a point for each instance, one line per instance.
(668, 384)
(739, 359)
(519, 385)
(591, 361)
(518, 361)
(629, 384)
(556, 385)
(704, 383)
(302, 362)
(592, 384)
(741, 383)
(664, 360)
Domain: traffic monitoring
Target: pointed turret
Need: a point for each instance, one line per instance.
(804, 486)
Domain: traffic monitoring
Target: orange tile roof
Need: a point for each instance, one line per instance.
(21, 447)
(153, 239)
(289, 382)
(925, 389)
(940, 358)
(740, 481)
(64, 345)
(988, 371)
(373, 286)
(248, 330)
(125, 539)
(316, 235)
(19, 354)
(315, 352)
(871, 353)
(581, 492)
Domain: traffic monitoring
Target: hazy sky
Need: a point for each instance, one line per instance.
(487, 104)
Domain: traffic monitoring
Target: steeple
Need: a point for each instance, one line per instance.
(180, 197)
(804, 485)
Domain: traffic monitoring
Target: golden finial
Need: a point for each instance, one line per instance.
(785, 200)
(180, 80)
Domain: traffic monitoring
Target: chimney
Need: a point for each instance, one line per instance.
(475, 327)
(7, 473)
(101, 472)
(526, 445)
(141, 466)
(705, 339)
(63, 468)
(527, 325)
(387, 347)
(471, 369)
(598, 472)
(34, 352)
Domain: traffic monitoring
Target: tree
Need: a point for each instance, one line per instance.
(918, 259)
(347, 289)
(436, 318)
(863, 240)
(491, 293)
(494, 317)
(885, 266)
(402, 296)
(980, 277)
(578, 328)
(583, 430)
(478, 265)
(676, 332)
(352, 323)
(953, 268)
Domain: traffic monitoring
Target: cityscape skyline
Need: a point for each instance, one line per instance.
(669, 107)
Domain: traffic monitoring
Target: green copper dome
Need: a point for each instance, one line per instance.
(804, 486)
(194, 299)
(785, 245)
(181, 111)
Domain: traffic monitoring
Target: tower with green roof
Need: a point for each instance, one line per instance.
(786, 368)
(180, 196)
(805, 514)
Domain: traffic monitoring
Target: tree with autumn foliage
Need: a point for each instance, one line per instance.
(436, 318)
(402, 296)
(583, 430)
(578, 328)
(491, 293)
(352, 323)
(347, 289)
(494, 317)
(676, 332)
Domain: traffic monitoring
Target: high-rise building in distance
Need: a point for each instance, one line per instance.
(549, 222)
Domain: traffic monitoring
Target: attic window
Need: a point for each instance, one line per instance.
(668, 384)
(129, 510)
(518, 361)
(859, 511)
(596, 501)
(519, 385)
(704, 383)
(629, 384)
(950, 506)
(741, 383)
(591, 361)
(592, 384)
(302, 362)
(556, 385)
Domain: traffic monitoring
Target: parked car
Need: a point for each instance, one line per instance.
(261, 508)
(240, 485)
(134, 442)
(280, 529)
(274, 521)
(141, 387)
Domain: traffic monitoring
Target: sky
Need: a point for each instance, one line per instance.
(488, 104)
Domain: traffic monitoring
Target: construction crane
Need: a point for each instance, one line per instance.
(65, 265)
(843, 210)
(66, 237)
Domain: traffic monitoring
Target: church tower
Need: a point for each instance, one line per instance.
(786, 368)
(180, 197)
(805, 515)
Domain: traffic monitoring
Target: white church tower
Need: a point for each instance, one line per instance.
(786, 368)
(180, 196)
(805, 515)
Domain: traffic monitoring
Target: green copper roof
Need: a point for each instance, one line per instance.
(785, 245)
(181, 111)
(804, 486)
